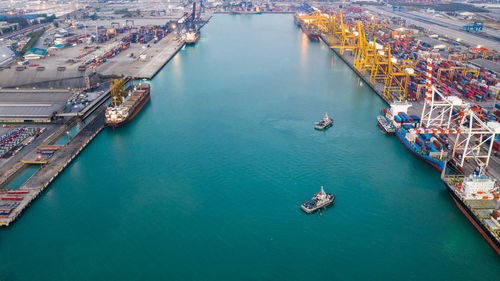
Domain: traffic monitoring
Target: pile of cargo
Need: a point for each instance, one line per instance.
(403, 118)
(452, 78)
(9, 200)
(6, 207)
(108, 55)
(450, 75)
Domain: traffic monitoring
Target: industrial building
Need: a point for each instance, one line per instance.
(6, 56)
(32, 105)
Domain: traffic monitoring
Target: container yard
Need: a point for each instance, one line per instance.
(68, 76)
(442, 95)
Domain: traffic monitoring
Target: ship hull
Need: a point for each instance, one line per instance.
(476, 221)
(244, 12)
(136, 110)
(314, 37)
(297, 20)
(192, 42)
(439, 165)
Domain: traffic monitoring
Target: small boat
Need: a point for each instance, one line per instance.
(320, 200)
(325, 123)
(385, 125)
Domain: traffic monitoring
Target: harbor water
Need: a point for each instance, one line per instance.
(206, 182)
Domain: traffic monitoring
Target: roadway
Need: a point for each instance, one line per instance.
(443, 27)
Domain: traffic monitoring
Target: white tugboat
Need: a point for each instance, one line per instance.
(324, 123)
(320, 200)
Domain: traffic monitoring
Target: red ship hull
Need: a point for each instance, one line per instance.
(309, 34)
(473, 219)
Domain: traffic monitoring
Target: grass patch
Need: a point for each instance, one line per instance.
(34, 36)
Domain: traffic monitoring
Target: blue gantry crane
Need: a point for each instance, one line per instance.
(478, 25)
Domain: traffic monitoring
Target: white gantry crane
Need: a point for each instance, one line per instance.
(474, 137)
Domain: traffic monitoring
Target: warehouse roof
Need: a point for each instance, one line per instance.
(488, 64)
(431, 41)
(5, 54)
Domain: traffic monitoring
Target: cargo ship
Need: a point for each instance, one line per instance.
(192, 37)
(319, 200)
(477, 197)
(311, 31)
(432, 148)
(296, 19)
(124, 111)
(234, 12)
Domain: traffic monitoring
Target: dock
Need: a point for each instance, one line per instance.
(36, 184)
(148, 62)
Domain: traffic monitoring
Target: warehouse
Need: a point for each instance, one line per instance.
(6, 55)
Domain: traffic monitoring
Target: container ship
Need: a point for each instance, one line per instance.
(134, 100)
(297, 20)
(311, 31)
(192, 37)
(477, 197)
(432, 148)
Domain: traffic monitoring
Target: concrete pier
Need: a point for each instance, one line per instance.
(147, 62)
(349, 60)
(55, 165)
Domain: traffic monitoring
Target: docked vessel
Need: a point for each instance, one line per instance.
(432, 148)
(125, 107)
(192, 37)
(384, 124)
(477, 196)
(319, 200)
(325, 123)
(296, 19)
(235, 12)
(311, 31)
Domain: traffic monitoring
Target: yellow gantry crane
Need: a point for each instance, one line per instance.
(116, 90)
(318, 19)
(342, 36)
(398, 78)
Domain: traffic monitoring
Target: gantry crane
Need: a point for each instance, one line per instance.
(116, 91)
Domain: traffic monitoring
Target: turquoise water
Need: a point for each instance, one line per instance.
(22, 177)
(206, 183)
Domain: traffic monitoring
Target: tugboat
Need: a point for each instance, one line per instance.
(320, 200)
(385, 125)
(325, 123)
